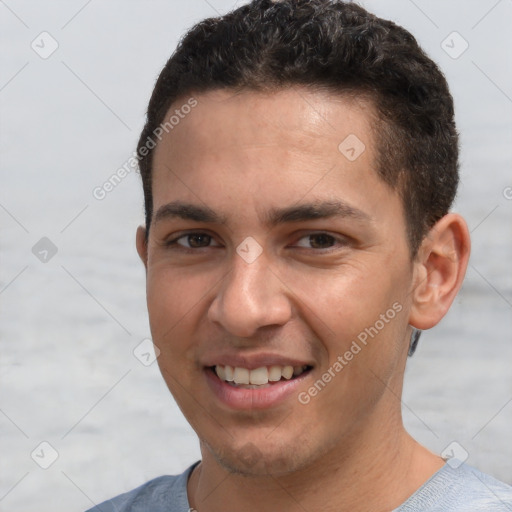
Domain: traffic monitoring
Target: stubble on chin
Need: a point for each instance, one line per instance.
(249, 461)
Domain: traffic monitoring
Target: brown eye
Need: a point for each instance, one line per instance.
(198, 240)
(320, 241)
(191, 241)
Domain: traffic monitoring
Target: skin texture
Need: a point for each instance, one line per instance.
(306, 298)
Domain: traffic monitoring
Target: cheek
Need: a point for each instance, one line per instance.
(172, 300)
(359, 314)
(345, 300)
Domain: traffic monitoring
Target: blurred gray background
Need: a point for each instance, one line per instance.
(75, 79)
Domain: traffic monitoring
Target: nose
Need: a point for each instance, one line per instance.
(250, 296)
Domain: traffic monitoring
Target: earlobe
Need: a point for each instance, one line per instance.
(142, 246)
(440, 268)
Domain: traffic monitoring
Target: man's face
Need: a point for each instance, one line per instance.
(245, 292)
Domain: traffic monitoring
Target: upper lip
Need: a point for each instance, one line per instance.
(251, 362)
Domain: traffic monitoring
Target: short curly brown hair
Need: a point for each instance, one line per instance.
(338, 46)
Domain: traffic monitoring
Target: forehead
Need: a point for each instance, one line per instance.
(294, 115)
(269, 149)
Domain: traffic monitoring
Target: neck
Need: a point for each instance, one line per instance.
(382, 459)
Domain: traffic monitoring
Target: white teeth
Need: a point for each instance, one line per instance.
(274, 374)
(229, 373)
(259, 376)
(241, 375)
(287, 372)
(221, 372)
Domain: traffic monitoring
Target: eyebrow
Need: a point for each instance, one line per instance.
(274, 217)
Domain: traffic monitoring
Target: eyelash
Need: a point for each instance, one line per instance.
(342, 241)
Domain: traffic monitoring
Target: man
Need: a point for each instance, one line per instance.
(299, 162)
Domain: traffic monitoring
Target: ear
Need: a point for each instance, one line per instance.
(142, 246)
(439, 270)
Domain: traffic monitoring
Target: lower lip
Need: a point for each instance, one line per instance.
(255, 398)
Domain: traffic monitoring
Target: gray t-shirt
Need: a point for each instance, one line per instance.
(461, 489)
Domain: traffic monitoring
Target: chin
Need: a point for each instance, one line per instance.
(257, 460)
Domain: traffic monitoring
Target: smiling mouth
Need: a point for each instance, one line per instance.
(258, 378)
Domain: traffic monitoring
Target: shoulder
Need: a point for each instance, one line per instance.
(459, 489)
(165, 493)
(485, 491)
